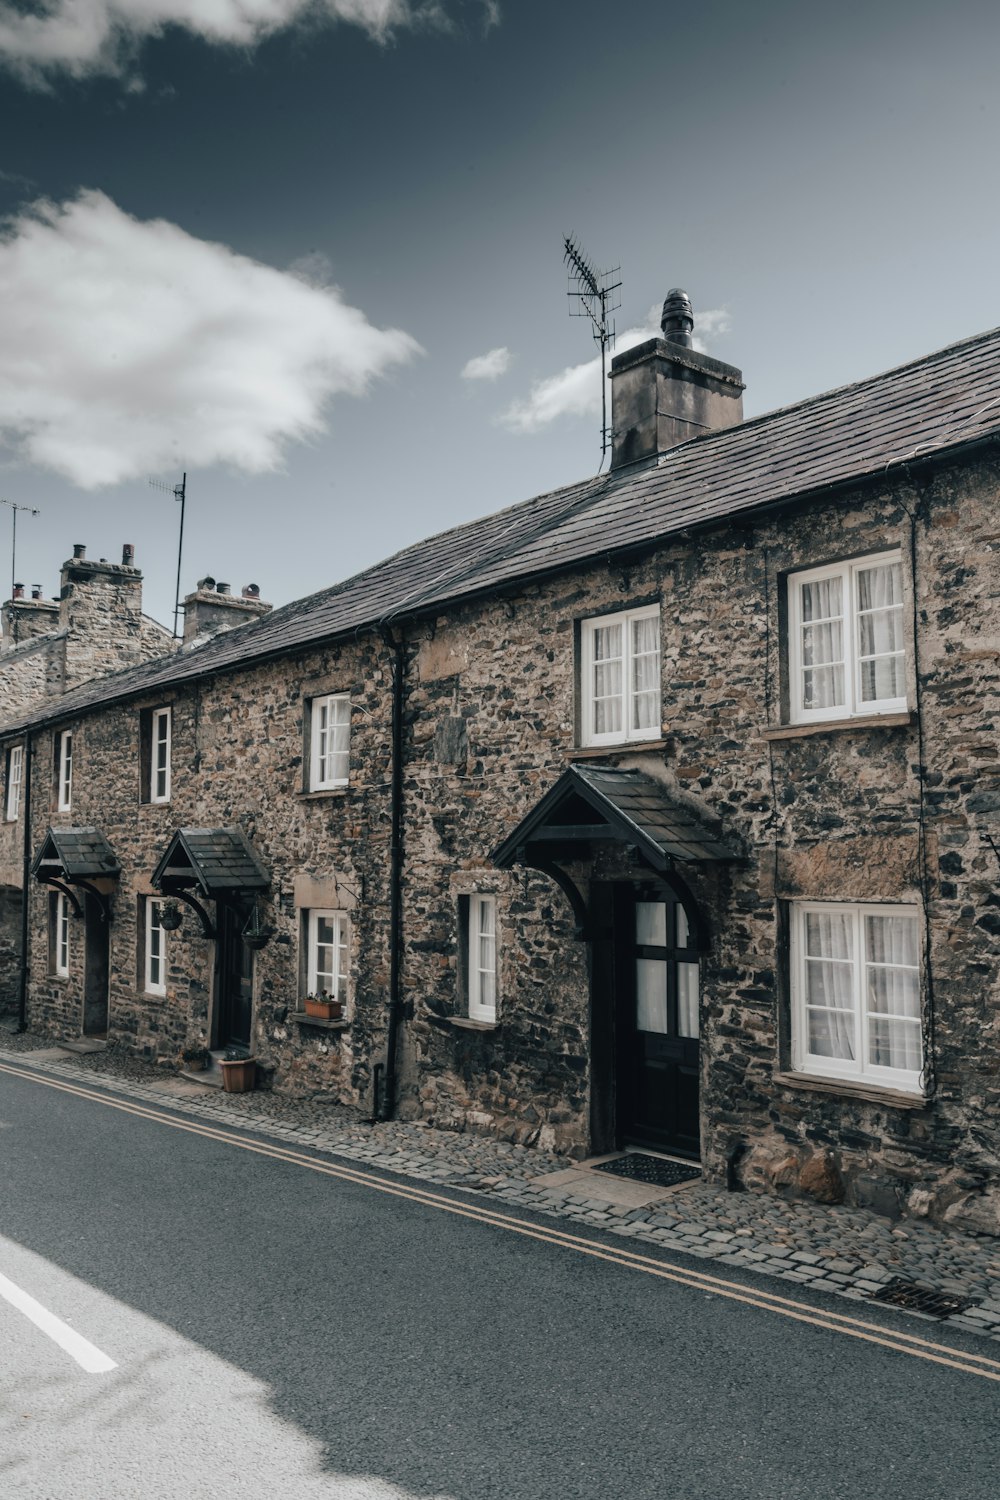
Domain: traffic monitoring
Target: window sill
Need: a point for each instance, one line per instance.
(466, 1023)
(322, 794)
(625, 747)
(301, 1019)
(827, 726)
(846, 1088)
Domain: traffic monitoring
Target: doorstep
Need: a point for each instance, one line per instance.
(598, 1187)
(210, 1077)
(83, 1045)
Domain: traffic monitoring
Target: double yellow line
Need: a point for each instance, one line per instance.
(665, 1270)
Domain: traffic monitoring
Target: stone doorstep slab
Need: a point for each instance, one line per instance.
(600, 1187)
(41, 1055)
(82, 1045)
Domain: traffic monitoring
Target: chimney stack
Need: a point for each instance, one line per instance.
(213, 608)
(663, 392)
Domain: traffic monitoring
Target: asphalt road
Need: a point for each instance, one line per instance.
(277, 1331)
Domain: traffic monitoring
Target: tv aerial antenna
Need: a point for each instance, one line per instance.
(593, 295)
(179, 492)
(14, 509)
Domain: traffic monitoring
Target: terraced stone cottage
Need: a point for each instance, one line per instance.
(662, 808)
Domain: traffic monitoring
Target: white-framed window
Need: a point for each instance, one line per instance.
(328, 965)
(64, 771)
(159, 755)
(482, 958)
(330, 736)
(15, 768)
(620, 677)
(856, 993)
(847, 654)
(155, 959)
(59, 934)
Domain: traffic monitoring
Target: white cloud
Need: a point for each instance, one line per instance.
(576, 390)
(81, 37)
(487, 366)
(130, 346)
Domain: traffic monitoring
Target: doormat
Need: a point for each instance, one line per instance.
(656, 1170)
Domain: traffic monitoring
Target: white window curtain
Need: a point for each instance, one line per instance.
(847, 651)
(856, 993)
(645, 674)
(482, 937)
(620, 677)
(880, 632)
(830, 966)
(608, 666)
(329, 954)
(892, 992)
(331, 733)
(823, 677)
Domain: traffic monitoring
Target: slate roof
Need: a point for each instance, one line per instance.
(80, 854)
(218, 860)
(639, 808)
(943, 401)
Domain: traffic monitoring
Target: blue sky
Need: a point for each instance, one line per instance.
(275, 233)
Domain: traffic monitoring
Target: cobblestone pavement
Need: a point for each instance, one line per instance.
(842, 1250)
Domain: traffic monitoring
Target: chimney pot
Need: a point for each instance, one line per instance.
(206, 583)
(222, 588)
(252, 591)
(102, 559)
(678, 317)
(36, 591)
(79, 550)
(18, 591)
(128, 555)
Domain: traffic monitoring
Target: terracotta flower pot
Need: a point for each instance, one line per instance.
(325, 1010)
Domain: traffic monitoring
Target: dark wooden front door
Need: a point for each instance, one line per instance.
(96, 969)
(234, 1008)
(658, 1003)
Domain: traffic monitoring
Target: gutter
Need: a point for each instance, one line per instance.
(22, 987)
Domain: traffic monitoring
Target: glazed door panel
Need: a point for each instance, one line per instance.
(235, 981)
(658, 1058)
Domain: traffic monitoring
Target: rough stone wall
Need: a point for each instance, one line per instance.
(100, 610)
(10, 957)
(878, 811)
(237, 758)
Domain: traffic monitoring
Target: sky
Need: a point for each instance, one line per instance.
(310, 252)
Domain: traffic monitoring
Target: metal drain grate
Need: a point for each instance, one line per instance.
(653, 1169)
(924, 1299)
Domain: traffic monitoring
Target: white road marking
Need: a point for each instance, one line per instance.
(82, 1350)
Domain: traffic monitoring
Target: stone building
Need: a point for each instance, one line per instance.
(659, 809)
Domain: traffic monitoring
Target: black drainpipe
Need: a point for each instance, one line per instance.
(22, 992)
(388, 1101)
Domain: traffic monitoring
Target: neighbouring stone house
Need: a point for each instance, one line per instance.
(662, 808)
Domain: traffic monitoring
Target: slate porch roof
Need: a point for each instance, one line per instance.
(217, 860)
(632, 805)
(940, 403)
(75, 854)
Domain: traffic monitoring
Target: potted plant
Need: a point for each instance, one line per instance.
(256, 934)
(170, 915)
(324, 1007)
(239, 1068)
(196, 1059)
